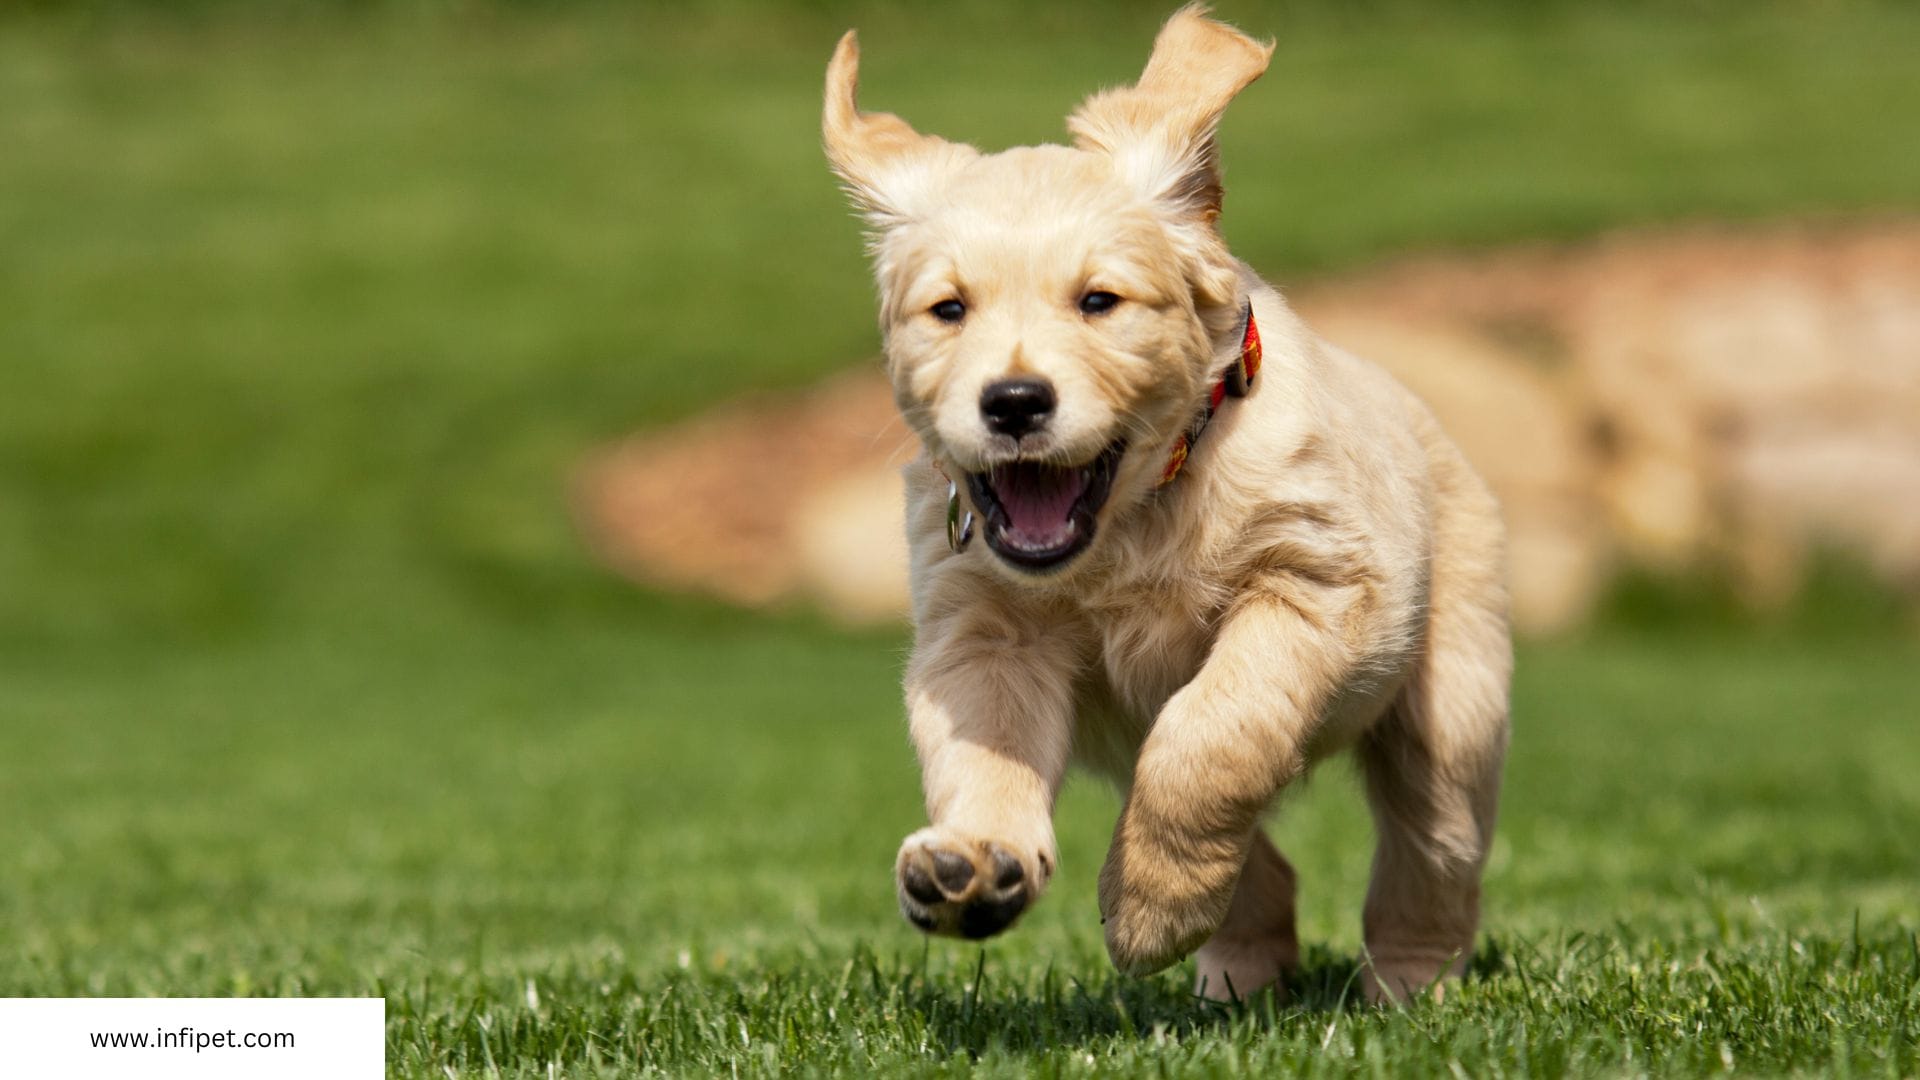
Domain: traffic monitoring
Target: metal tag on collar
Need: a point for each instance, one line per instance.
(1238, 378)
(959, 524)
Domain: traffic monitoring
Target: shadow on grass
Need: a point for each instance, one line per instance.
(1067, 1012)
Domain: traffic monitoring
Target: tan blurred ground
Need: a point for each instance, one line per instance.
(1674, 400)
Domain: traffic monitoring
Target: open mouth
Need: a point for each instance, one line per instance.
(1040, 515)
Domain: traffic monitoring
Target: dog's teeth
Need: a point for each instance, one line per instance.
(1067, 533)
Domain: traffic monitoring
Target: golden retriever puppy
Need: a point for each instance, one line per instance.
(1213, 549)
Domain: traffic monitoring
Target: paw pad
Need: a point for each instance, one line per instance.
(960, 889)
(954, 872)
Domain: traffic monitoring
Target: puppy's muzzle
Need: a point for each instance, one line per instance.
(1040, 515)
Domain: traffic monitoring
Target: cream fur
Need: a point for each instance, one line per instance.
(1324, 574)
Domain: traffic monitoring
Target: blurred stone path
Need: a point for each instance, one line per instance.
(1665, 399)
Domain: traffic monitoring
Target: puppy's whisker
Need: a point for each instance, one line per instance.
(903, 451)
(1138, 432)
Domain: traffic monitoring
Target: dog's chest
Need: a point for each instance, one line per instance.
(1151, 644)
(1148, 650)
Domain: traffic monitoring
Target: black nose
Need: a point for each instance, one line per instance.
(1016, 406)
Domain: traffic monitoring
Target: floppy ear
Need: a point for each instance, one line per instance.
(1160, 131)
(890, 170)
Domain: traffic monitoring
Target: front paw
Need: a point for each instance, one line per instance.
(1146, 933)
(965, 886)
(1160, 903)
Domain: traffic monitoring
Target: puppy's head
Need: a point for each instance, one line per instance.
(1052, 314)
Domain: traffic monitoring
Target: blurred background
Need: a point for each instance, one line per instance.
(446, 523)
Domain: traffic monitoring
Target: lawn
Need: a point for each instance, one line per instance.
(306, 686)
(594, 843)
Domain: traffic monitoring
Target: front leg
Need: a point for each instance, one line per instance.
(1220, 750)
(989, 697)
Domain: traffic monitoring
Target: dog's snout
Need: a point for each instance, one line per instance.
(1016, 406)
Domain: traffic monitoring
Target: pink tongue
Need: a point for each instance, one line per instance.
(1038, 501)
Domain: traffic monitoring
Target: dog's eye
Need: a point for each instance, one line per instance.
(1098, 303)
(949, 311)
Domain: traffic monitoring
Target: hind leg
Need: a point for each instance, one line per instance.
(1256, 944)
(1432, 769)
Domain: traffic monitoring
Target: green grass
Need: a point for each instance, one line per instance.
(306, 686)
(599, 846)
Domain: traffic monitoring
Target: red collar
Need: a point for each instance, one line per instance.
(1233, 382)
